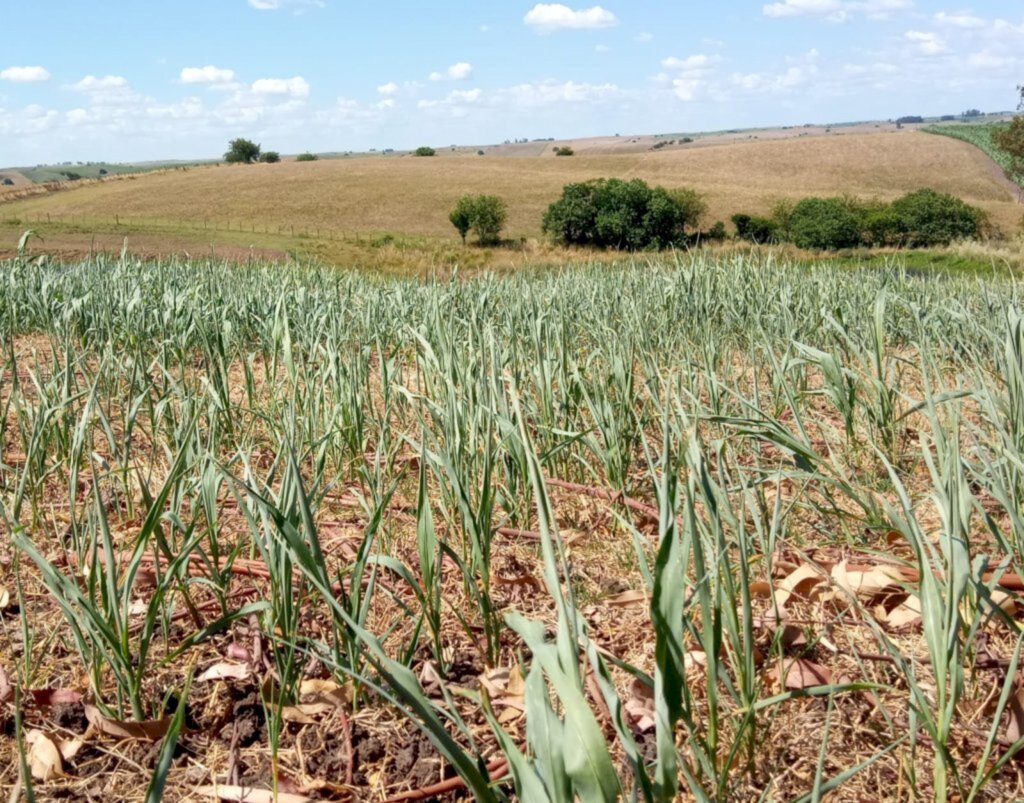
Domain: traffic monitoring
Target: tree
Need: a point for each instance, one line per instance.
(564, 150)
(306, 157)
(629, 215)
(270, 157)
(242, 151)
(462, 216)
(423, 150)
(825, 223)
(928, 218)
(483, 214)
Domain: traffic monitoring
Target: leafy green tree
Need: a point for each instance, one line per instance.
(462, 216)
(270, 157)
(485, 215)
(424, 151)
(629, 215)
(928, 218)
(489, 218)
(825, 223)
(1010, 139)
(242, 151)
(758, 230)
(307, 157)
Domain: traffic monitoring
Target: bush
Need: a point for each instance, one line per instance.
(758, 230)
(270, 157)
(483, 214)
(716, 233)
(424, 151)
(929, 218)
(307, 157)
(565, 150)
(630, 215)
(825, 223)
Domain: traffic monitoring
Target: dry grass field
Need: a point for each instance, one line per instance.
(324, 208)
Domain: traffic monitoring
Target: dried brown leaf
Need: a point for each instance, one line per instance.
(148, 731)
(44, 757)
(241, 794)
(801, 674)
(627, 599)
(226, 671)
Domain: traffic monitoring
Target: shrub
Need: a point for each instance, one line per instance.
(928, 218)
(270, 157)
(307, 157)
(565, 150)
(758, 230)
(424, 151)
(825, 223)
(882, 227)
(613, 213)
(716, 233)
(483, 214)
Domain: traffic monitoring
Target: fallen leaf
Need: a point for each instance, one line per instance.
(640, 707)
(45, 698)
(905, 614)
(148, 731)
(1015, 713)
(6, 689)
(801, 674)
(5, 599)
(305, 714)
(44, 757)
(627, 599)
(241, 794)
(800, 584)
(866, 581)
(226, 671)
(760, 590)
(329, 692)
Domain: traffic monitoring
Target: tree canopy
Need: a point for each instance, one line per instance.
(242, 151)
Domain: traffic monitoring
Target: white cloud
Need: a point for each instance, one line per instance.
(927, 42)
(108, 83)
(548, 93)
(206, 75)
(836, 10)
(550, 17)
(390, 88)
(275, 5)
(643, 37)
(959, 20)
(694, 63)
(457, 72)
(296, 87)
(25, 75)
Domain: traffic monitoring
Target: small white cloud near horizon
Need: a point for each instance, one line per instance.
(206, 75)
(390, 88)
(296, 87)
(457, 72)
(25, 75)
(551, 17)
(276, 5)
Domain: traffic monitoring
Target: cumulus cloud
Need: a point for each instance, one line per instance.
(959, 20)
(835, 10)
(390, 88)
(927, 42)
(457, 72)
(296, 87)
(25, 75)
(107, 83)
(206, 75)
(548, 93)
(550, 17)
(275, 5)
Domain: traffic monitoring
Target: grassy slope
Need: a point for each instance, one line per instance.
(979, 135)
(345, 206)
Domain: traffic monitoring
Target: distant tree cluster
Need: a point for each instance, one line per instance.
(921, 219)
(564, 150)
(423, 150)
(306, 157)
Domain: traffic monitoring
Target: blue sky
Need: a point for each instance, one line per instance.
(128, 80)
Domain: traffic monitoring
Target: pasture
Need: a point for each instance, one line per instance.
(696, 528)
(391, 211)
